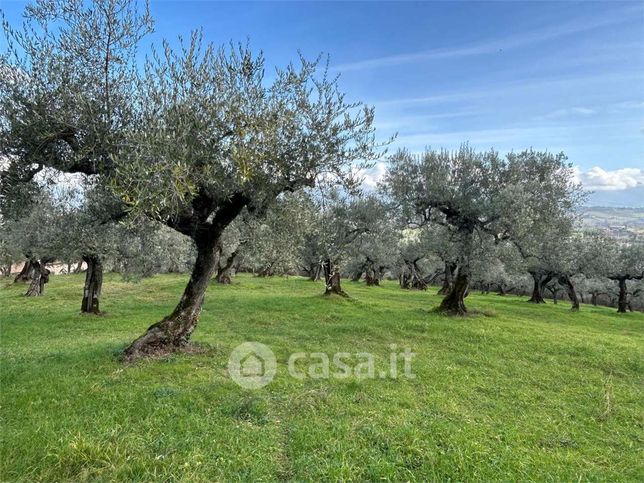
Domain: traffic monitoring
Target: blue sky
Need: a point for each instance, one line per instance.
(563, 76)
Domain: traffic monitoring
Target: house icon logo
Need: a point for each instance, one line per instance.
(252, 365)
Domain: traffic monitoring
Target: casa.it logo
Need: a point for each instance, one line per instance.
(252, 365)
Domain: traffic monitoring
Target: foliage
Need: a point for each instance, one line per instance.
(373, 251)
(274, 239)
(625, 261)
(66, 89)
(149, 248)
(483, 193)
(211, 131)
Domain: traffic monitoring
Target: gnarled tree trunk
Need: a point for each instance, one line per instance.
(93, 284)
(27, 271)
(371, 276)
(565, 281)
(503, 291)
(540, 280)
(554, 289)
(267, 270)
(448, 278)
(205, 228)
(332, 279)
(224, 271)
(622, 299)
(40, 276)
(454, 301)
(410, 278)
(372, 279)
(537, 297)
(314, 272)
(173, 332)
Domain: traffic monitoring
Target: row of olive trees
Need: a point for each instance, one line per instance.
(370, 238)
(491, 216)
(373, 236)
(72, 226)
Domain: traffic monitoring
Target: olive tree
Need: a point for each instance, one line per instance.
(626, 264)
(144, 248)
(214, 137)
(599, 256)
(134, 247)
(66, 93)
(311, 252)
(230, 250)
(274, 238)
(32, 235)
(441, 241)
(67, 83)
(582, 254)
(544, 251)
(373, 250)
(340, 220)
(18, 198)
(480, 195)
(414, 250)
(598, 289)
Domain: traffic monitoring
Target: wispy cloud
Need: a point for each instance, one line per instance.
(569, 112)
(520, 86)
(398, 123)
(627, 105)
(576, 112)
(434, 54)
(492, 46)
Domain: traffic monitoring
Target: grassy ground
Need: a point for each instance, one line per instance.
(516, 393)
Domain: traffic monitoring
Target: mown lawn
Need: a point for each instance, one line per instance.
(516, 392)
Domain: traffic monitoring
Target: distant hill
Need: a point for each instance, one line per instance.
(625, 223)
(632, 197)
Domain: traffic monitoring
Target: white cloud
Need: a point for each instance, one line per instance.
(599, 179)
(371, 177)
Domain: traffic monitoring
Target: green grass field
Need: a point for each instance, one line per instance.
(517, 392)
